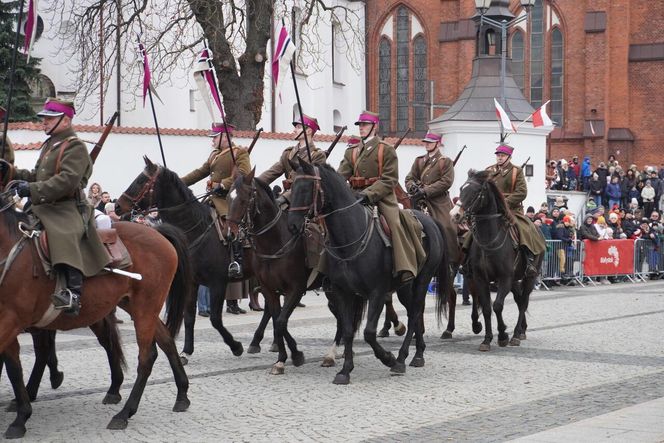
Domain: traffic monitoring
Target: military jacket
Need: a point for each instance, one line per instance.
(56, 191)
(283, 167)
(511, 182)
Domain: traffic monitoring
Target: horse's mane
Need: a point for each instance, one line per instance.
(265, 187)
(171, 178)
(501, 203)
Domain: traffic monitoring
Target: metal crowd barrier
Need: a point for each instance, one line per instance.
(648, 259)
(562, 263)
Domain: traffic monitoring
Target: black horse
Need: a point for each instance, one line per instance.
(161, 188)
(359, 265)
(494, 257)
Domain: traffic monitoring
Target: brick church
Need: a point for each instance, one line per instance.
(599, 62)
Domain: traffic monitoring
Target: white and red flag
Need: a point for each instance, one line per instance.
(505, 121)
(30, 29)
(281, 58)
(540, 117)
(206, 79)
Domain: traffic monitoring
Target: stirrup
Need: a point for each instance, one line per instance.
(68, 301)
(234, 270)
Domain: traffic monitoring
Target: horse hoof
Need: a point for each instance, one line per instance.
(181, 405)
(56, 379)
(383, 333)
(254, 349)
(117, 424)
(446, 335)
(485, 347)
(277, 369)
(274, 348)
(502, 343)
(111, 399)
(522, 336)
(238, 349)
(15, 431)
(399, 368)
(400, 329)
(11, 407)
(341, 379)
(328, 362)
(298, 358)
(515, 342)
(477, 328)
(184, 360)
(417, 362)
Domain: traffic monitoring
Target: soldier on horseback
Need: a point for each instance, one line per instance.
(283, 166)
(428, 183)
(511, 182)
(221, 167)
(372, 168)
(55, 187)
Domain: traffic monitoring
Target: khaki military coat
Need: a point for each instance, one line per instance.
(220, 169)
(56, 192)
(407, 247)
(283, 167)
(435, 174)
(515, 194)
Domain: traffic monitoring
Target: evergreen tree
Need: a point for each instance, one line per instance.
(21, 109)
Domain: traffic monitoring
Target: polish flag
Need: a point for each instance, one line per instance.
(503, 118)
(540, 118)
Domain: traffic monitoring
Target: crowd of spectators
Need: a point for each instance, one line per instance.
(105, 209)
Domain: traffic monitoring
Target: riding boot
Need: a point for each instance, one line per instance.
(69, 299)
(531, 269)
(235, 267)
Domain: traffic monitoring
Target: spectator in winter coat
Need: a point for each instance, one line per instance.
(614, 225)
(587, 230)
(648, 197)
(613, 192)
(586, 173)
(544, 225)
(626, 184)
(603, 231)
(590, 204)
(630, 227)
(551, 174)
(602, 173)
(572, 178)
(596, 188)
(577, 168)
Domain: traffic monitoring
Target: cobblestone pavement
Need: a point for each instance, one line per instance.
(592, 356)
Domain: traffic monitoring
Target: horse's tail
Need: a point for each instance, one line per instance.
(109, 330)
(180, 292)
(445, 288)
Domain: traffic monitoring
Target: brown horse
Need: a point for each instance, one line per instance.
(25, 295)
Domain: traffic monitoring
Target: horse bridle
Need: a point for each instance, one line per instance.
(313, 208)
(472, 217)
(148, 188)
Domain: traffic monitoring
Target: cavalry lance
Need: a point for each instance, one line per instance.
(253, 142)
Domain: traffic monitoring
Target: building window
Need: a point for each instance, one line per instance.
(517, 58)
(337, 64)
(557, 76)
(385, 82)
(41, 89)
(403, 71)
(537, 54)
(421, 116)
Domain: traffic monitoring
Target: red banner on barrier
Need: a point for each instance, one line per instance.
(608, 257)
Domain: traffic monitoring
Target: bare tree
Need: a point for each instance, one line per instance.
(237, 32)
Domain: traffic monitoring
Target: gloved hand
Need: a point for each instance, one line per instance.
(23, 189)
(418, 194)
(365, 199)
(220, 190)
(412, 189)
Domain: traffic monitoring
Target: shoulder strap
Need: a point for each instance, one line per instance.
(514, 172)
(381, 147)
(64, 145)
(353, 157)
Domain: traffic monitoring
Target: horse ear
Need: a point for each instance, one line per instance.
(306, 167)
(294, 165)
(148, 162)
(471, 172)
(249, 177)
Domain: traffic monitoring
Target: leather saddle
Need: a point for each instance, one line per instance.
(117, 251)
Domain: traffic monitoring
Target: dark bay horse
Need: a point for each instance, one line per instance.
(359, 265)
(26, 290)
(278, 259)
(493, 256)
(160, 188)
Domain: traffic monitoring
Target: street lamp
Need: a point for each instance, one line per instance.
(482, 7)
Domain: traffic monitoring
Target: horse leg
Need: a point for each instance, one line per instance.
(504, 287)
(475, 308)
(15, 374)
(376, 302)
(255, 345)
(56, 377)
(108, 338)
(347, 312)
(189, 322)
(217, 297)
(385, 330)
(167, 344)
(275, 310)
(329, 359)
(43, 347)
(522, 299)
(406, 299)
(484, 301)
(451, 312)
(291, 300)
(419, 303)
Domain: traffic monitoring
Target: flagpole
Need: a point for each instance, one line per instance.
(299, 107)
(156, 125)
(11, 79)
